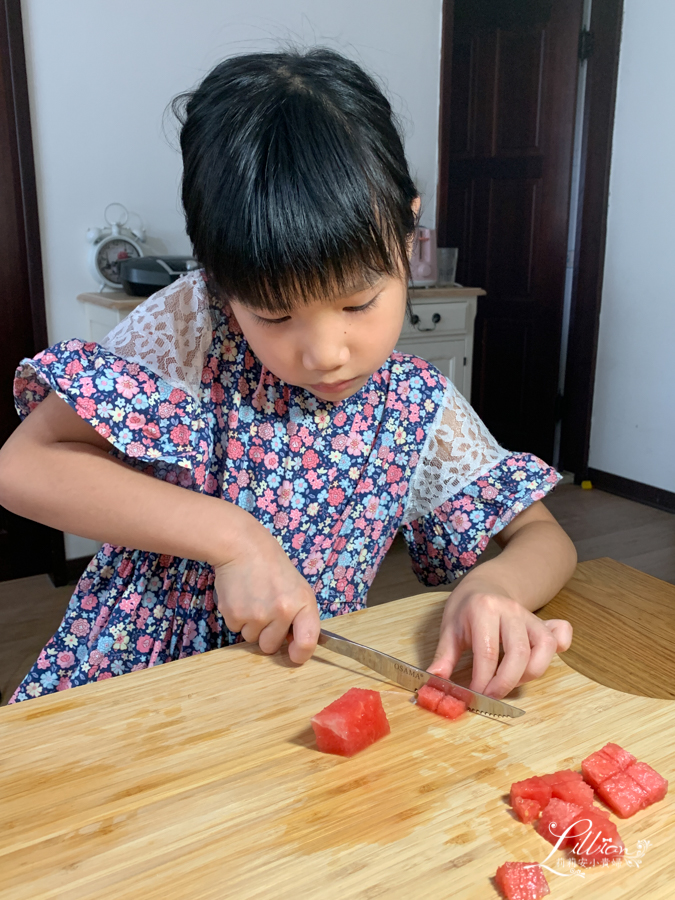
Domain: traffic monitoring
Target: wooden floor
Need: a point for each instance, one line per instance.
(600, 524)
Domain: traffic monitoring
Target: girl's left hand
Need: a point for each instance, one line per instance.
(480, 616)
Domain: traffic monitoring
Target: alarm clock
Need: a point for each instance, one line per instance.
(111, 245)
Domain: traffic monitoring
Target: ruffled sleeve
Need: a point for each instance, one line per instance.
(465, 489)
(142, 416)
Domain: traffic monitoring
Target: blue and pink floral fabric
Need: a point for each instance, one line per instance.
(329, 481)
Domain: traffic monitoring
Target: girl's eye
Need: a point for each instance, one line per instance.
(357, 309)
(262, 321)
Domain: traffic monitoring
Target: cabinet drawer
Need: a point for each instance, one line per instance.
(452, 319)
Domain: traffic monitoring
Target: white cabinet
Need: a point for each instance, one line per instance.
(442, 331)
(104, 310)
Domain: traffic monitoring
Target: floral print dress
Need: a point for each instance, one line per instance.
(179, 394)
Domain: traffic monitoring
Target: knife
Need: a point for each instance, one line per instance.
(411, 678)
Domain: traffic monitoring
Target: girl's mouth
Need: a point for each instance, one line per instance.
(333, 387)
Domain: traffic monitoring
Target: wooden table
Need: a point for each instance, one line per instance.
(200, 778)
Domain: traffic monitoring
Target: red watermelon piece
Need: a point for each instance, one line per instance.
(595, 837)
(526, 810)
(437, 701)
(563, 777)
(534, 788)
(522, 881)
(624, 795)
(351, 723)
(623, 757)
(649, 780)
(624, 784)
(556, 819)
(429, 697)
(574, 792)
(450, 707)
(604, 763)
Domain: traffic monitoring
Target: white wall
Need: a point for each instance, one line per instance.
(100, 76)
(633, 427)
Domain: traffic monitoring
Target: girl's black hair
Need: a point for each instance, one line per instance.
(295, 182)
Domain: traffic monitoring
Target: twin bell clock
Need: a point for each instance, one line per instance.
(113, 244)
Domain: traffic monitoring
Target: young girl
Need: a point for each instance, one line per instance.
(285, 441)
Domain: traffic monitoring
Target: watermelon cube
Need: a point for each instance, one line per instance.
(451, 707)
(564, 776)
(556, 818)
(624, 795)
(574, 792)
(650, 781)
(526, 810)
(522, 881)
(623, 757)
(534, 788)
(351, 723)
(594, 837)
(429, 697)
(605, 763)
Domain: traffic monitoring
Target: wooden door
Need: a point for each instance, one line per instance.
(26, 548)
(504, 199)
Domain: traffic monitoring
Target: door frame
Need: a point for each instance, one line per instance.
(13, 60)
(591, 229)
(600, 97)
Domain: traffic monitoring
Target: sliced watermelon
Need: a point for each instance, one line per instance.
(429, 697)
(574, 792)
(351, 723)
(534, 788)
(623, 757)
(624, 784)
(624, 795)
(522, 881)
(605, 763)
(526, 810)
(444, 704)
(595, 837)
(650, 781)
(556, 819)
(563, 777)
(450, 707)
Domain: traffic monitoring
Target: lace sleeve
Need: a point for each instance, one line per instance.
(457, 449)
(170, 334)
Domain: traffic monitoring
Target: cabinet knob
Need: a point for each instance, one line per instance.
(415, 319)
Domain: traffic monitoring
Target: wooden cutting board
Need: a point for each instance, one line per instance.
(200, 779)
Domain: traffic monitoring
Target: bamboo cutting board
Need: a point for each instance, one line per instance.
(200, 779)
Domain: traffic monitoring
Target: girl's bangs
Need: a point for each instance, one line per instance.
(313, 276)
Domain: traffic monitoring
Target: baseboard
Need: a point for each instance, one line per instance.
(633, 490)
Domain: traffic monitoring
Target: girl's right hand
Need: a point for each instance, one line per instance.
(261, 594)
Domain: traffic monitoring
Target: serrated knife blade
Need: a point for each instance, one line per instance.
(411, 678)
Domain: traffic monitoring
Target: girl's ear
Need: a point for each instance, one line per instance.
(415, 205)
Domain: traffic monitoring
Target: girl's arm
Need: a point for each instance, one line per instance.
(56, 469)
(494, 604)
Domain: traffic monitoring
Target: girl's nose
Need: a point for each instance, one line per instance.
(325, 352)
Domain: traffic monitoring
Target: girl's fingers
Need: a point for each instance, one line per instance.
(306, 627)
(273, 635)
(562, 631)
(448, 651)
(544, 647)
(517, 650)
(250, 631)
(485, 646)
